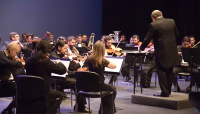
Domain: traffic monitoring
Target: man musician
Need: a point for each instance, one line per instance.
(8, 68)
(14, 37)
(134, 41)
(185, 67)
(79, 42)
(60, 52)
(163, 32)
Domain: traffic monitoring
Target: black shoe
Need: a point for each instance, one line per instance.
(188, 89)
(160, 95)
(178, 89)
(7, 112)
(83, 109)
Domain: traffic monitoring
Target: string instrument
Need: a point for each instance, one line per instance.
(137, 45)
(16, 58)
(82, 68)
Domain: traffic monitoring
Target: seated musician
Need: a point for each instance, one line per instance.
(102, 38)
(134, 41)
(185, 68)
(192, 41)
(84, 39)
(14, 37)
(108, 45)
(97, 63)
(40, 65)
(51, 39)
(29, 45)
(34, 43)
(150, 60)
(79, 42)
(7, 70)
(123, 39)
(60, 51)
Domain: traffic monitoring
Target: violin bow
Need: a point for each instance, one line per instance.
(117, 45)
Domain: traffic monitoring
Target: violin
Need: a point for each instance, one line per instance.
(83, 69)
(16, 58)
(116, 51)
(137, 45)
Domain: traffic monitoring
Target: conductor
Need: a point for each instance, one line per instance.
(164, 33)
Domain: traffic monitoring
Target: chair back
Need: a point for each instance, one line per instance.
(87, 81)
(30, 87)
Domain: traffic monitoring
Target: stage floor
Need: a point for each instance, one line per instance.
(129, 108)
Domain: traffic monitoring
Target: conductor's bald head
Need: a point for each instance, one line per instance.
(156, 14)
(13, 49)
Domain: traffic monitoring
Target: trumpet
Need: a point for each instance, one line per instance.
(91, 41)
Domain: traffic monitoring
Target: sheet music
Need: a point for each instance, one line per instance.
(66, 63)
(118, 63)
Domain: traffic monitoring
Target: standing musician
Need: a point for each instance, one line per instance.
(109, 46)
(60, 51)
(79, 42)
(40, 65)
(7, 71)
(186, 68)
(163, 32)
(134, 41)
(97, 63)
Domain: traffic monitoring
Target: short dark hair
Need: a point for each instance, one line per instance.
(50, 33)
(135, 36)
(84, 35)
(186, 39)
(192, 37)
(29, 35)
(123, 35)
(60, 43)
(107, 38)
(78, 35)
(70, 38)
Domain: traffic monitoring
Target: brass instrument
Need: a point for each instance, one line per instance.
(91, 41)
(115, 36)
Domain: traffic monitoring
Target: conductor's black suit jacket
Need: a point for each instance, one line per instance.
(164, 33)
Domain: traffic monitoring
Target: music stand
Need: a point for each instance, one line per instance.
(120, 44)
(82, 50)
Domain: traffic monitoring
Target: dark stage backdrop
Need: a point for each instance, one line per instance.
(62, 17)
(133, 16)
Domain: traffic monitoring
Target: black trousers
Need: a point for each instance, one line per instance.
(108, 102)
(126, 72)
(7, 88)
(53, 104)
(194, 74)
(165, 76)
(69, 83)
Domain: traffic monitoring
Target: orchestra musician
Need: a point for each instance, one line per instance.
(102, 38)
(97, 63)
(23, 38)
(60, 51)
(192, 41)
(163, 32)
(134, 41)
(84, 39)
(28, 43)
(40, 65)
(79, 42)
(51, 39)
(185, 68)
(123, 39)
(7, 70)
(109, 45)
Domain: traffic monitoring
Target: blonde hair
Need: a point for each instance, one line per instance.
(98, 54)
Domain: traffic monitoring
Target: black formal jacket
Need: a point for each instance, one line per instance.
(27, 52)
(7, 66)
(72, 66)
(164, 33)
(44, 69)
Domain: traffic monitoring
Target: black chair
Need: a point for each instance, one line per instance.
(31, 96)
(6, 90)
(87, 81)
